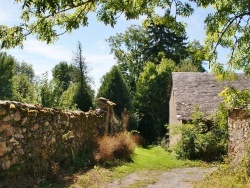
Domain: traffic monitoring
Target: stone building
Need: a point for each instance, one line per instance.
(193, 88)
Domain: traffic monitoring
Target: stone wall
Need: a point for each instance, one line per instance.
(32, 137)
(238, 135)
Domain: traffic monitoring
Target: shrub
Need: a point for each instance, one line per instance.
(119, 146)
(203, 138)
(138, 138)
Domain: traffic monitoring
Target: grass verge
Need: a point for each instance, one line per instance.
(150, 159)
(226, 177)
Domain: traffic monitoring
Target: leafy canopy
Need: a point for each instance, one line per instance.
(52, 18)
(227, 26)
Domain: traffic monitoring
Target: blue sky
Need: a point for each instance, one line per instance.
(96, 50)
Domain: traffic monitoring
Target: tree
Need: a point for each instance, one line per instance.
(26, 69)
(187, 65)
(62, 78)
(67, 99)
(46, 91)
(128, 49)
(67, 15)
(164, 40)
(84, 95)
(63, 73)
(228, 27)
(114, 88)
(24, 87)
(195, 55)
(7, 64)
(152, 98)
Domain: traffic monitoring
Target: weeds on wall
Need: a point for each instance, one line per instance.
(203, 137)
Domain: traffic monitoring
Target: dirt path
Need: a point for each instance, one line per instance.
(174, 178)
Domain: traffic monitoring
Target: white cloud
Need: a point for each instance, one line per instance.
(55, 52)
(99, 65)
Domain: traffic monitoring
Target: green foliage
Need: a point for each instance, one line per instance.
(196, 54)
(63, 73)
(114, 88)
(128, 49)
(134, 120)
(228, 27)
(152, 98)
(7, 64)
(77, 161)
(24, 90)
(48, 92)
(234, 98)
(25, 69)
(164, 39)
(67, 99)
(43, 18)
(204, 137)
(84, 95)
(186, 65)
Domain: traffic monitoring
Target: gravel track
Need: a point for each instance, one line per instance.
(174, 178)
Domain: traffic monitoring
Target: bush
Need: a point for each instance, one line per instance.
(119, 146)
(138, 138)
(203, 138)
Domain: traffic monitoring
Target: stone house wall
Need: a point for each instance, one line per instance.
(238, 126)
(32, 137)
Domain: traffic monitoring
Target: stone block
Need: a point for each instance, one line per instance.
(2, 111)
(3, 148)
(7, 118)
(17, 116)
(6, 165)
(19, 136)
(24, 120)
(4, 126)
(10, 131)
(36, 126)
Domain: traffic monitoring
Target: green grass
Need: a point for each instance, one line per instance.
(151, 159)
(154, 158)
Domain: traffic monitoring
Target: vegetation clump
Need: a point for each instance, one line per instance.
(113, 148)
(204, 138)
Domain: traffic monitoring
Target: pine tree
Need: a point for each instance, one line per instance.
(84, 96)
(114, 88)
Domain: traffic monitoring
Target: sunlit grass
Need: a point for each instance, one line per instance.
(150, 159)
(154, 158)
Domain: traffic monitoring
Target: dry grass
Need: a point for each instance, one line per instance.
(111, 148)
(139, 140)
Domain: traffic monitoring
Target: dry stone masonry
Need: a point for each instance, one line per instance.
(32, 137)
(239, 144)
